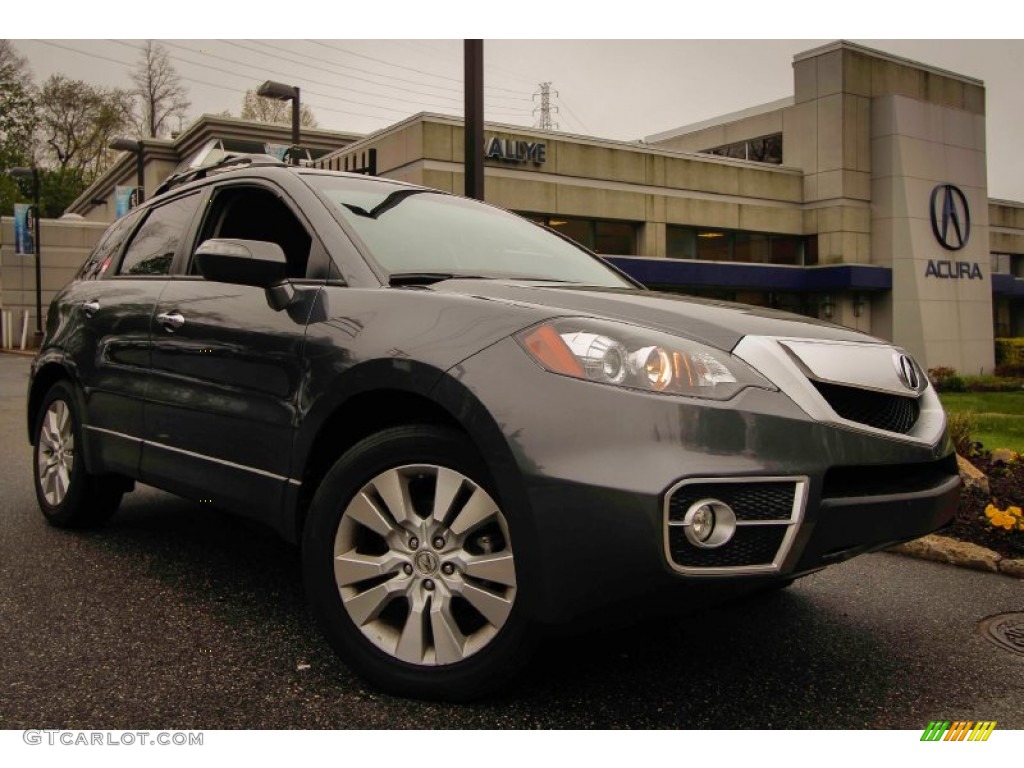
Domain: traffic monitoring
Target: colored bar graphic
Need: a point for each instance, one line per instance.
(935, 730)
(982, 730)
(958, 730)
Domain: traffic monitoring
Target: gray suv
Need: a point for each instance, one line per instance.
(473, 427)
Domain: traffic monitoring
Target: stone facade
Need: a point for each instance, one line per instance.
(594, 178)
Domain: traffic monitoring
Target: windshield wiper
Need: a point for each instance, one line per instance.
(428, 278)
(388, 203)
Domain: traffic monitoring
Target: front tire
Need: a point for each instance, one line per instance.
(68, 495)
(410, 568)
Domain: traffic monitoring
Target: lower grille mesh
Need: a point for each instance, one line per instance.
(752, 545)
(893, 413)
(750, 501)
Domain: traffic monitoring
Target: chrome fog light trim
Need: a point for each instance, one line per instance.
(791, 523)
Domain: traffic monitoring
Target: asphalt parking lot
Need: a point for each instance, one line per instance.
(177, 616)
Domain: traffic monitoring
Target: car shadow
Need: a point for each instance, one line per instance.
(768, 661)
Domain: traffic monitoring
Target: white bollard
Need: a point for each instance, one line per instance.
(24, 329)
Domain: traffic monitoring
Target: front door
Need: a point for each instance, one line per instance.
(226, 367)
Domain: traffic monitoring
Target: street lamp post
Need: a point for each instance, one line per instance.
(33, 173)
(274, 90)
(473, 160)
(134, 146)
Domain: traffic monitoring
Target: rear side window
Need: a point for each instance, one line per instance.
(152, 249)
(108, 247)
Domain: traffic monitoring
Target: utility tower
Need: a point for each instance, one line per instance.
(545, 109)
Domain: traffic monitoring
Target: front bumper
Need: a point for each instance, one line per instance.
(594, 466)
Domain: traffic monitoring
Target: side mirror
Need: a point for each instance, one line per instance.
(242, 262)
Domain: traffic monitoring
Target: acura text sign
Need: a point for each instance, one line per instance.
(516, 151)
(953, 270)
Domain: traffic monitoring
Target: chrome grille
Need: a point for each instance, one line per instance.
(880, 410)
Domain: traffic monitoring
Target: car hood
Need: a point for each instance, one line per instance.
(717, 323)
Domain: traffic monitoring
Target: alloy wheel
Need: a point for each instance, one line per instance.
(424, 565)
(56, 456)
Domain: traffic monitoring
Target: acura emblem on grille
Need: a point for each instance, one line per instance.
(907, 371)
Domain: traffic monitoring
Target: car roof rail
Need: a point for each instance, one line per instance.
(253, 160)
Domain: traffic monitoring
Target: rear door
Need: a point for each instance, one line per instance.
(226, 368)
(111, 350)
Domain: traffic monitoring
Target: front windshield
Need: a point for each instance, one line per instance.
(410, 230)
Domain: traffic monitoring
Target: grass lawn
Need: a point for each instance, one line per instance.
(999, 416)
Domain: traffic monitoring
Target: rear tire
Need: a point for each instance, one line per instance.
(409, 566)
(68, 495)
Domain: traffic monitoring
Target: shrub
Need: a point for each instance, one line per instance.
(1010, 352)
(1009, 371)
(946, 379)
(961, 425)
(988, 384)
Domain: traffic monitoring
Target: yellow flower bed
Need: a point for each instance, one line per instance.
(1010, 519)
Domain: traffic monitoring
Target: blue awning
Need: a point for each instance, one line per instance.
(1004, 285)
(766, 277)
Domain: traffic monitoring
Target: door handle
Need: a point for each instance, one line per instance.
(90, 307)
(171, 321)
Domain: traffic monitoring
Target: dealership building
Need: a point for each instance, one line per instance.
(822, 203)
(861, 199)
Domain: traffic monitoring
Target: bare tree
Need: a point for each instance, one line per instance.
(77, 122)
(274, 111)
(158, 88)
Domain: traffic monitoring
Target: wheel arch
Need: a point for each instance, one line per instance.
(358, 416)
(46, 372)
(407, 394)
(377, 395)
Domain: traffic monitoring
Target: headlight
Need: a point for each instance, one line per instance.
(639, 358)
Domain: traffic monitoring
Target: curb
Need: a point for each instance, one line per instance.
(942, 549)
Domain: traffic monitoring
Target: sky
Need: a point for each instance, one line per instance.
(611, 88)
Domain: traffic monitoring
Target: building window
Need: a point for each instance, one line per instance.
(681, 242)
(608, 238)
(764, 149)
(714, 245)
(708, 244)
(1007, 264)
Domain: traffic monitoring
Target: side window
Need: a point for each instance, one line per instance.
(108, 246)
(256, 213)
(156, 241)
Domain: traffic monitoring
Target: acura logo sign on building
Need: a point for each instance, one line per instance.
(951, 217)
(951, 224)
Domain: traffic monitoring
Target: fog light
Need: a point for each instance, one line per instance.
(703, 523)
(709, 523)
